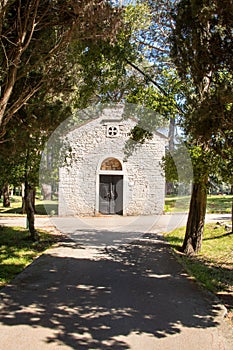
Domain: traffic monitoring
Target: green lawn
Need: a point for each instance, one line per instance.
(215, 204)
(175, 204)
(17, 250)
(219, 204)
(42, 207)
(213, 267)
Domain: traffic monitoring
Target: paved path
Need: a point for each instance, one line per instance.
(108, 293)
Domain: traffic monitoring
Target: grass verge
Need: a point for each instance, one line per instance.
(215, 204)
(17, 250)
(213, 267)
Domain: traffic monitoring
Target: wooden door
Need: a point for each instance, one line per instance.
(111, 194)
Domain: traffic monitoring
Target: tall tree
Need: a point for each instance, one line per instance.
(201, 49)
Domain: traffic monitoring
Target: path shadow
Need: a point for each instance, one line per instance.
(95, 302)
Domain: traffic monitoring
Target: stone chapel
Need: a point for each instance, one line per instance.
(101, 180)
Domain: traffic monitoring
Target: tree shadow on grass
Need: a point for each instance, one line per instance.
(218, 237)
(96, 302)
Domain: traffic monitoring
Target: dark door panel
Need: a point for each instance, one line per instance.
(111, 194)
(104, 196)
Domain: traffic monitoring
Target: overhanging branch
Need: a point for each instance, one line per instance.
(164, 92)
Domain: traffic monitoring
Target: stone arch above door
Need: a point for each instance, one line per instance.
(111, 164)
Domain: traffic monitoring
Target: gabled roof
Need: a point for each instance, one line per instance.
(106, 115)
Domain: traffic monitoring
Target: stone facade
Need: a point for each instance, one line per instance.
(97, 149)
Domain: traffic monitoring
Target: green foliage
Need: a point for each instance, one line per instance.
(155, 42)
(26, 139)
(203, 160)
(138, 134)
(201, 49)
(203, 35)
(35, 46)
(178, 163)
(224, 150)
(137, 18)
(169, 167)
(48, 74)
(103, 66)
(153, 99)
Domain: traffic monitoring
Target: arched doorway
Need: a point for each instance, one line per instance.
(111, 187)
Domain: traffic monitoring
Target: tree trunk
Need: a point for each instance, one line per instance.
(29, 208)
(6, 196)
(196, 220)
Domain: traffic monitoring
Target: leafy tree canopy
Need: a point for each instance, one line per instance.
(35, 36)
(202, 44)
